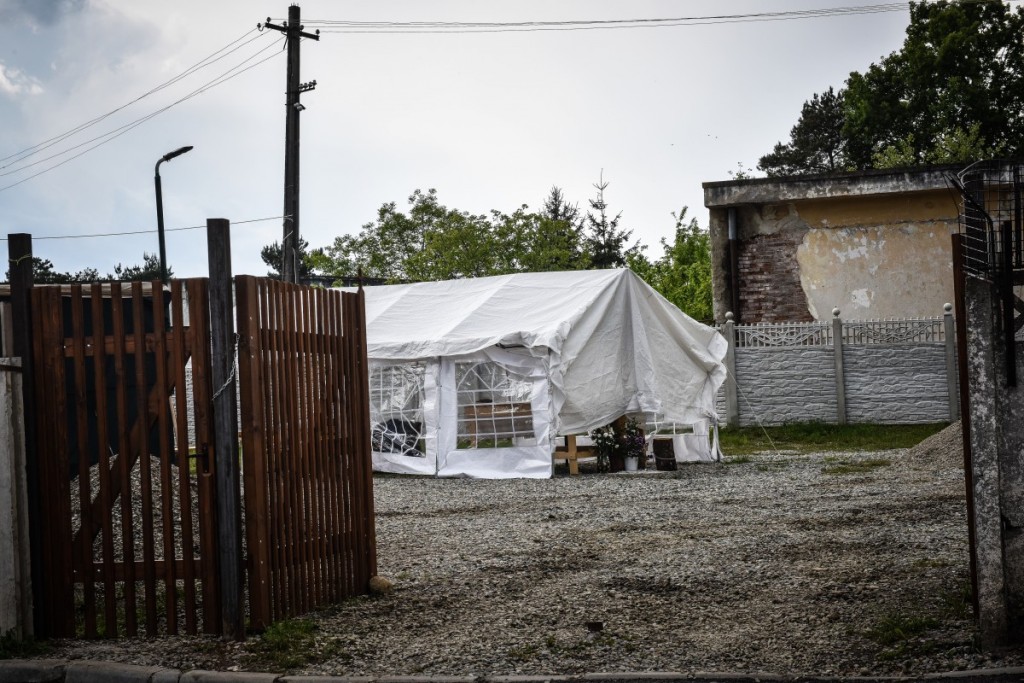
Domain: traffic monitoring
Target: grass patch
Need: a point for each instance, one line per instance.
(958, 602)
(897, 628)
(855, 466)
(817, 437)
(738, 460)
(290, 644)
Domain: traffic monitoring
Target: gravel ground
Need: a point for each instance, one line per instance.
(837, 564)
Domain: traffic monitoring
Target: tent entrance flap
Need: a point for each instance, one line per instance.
(495, 416)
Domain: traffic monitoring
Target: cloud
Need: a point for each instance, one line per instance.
(39, 12)
(13, 82)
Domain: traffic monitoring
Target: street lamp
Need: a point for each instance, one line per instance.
(160, 208)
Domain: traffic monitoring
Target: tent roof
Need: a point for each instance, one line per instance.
(603, 331)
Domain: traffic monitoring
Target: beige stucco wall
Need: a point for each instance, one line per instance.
(878, 257)
(902, 271)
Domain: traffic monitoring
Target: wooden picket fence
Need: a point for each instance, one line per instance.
(115, 462)
(127, 486)
(305, 445)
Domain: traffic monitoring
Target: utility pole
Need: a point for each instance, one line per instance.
(293, 32)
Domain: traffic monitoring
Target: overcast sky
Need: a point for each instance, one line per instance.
(491, 120)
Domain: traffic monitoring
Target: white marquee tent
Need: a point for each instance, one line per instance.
(477, 377)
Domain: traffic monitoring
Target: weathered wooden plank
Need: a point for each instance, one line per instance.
(123, 459)
(118, 572)
(225, 430)
(199, 306)
(253, 451)
(163, 391)
(105, 343)
(83, 556)
(362, 400)
(307, 384)
(106, 498)
(178, 361)
(145, 472)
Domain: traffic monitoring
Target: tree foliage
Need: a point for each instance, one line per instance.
(605, 240)
(953, 93)
(44, 272)
(683, 273)
(309, 261)
(433, 242)
(817, 143)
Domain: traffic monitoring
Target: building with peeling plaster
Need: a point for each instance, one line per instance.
(874, 244)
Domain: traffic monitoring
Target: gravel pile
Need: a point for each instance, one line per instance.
(945, 449)
(841, 564)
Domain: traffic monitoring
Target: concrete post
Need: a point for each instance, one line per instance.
(15, 569)
(997, 440)
(949, 331)
(732, 404)
(837, 347)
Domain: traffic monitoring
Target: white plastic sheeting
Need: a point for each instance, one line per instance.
(591, 345)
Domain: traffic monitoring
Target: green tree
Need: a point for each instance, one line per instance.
(44, 273)
(605, 240)
(816, 142)
(309, 261)
(149, 269)
(953, 93)
(683, 273)
(434, 242)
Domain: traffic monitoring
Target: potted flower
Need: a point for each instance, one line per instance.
(633, 444)
(606, 444)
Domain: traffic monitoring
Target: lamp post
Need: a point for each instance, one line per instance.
(160, 208)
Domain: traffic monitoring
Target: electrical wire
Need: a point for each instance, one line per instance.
(396, 27)
(344, 26)
(118, 132)
(46, 144)
(145, 232)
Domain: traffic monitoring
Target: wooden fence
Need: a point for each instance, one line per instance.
(305, 443)
(128, 517)
(132, 511)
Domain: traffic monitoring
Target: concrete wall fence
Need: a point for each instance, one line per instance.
(841, 371)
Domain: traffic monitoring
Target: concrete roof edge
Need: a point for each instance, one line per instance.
(721, 194)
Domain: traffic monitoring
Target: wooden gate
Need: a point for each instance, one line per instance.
(128, 496)
(306, 469)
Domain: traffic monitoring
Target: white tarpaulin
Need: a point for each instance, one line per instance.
(475, 377)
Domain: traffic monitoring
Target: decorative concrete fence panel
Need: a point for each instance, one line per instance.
(880, 371)
(786, 385)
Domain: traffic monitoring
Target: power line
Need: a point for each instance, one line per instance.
(344, 26)
(45, 144)
(118, 132)
(144, 232)
(396, 27)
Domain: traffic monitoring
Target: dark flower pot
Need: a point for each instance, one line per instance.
(616, 463)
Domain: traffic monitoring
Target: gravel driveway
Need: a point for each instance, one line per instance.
(846, 563)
